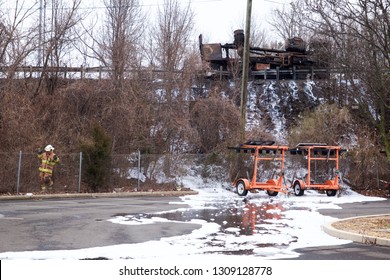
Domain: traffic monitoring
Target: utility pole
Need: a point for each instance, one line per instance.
(40, 32)
(245, 67)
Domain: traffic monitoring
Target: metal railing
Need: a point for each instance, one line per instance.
(279, 74)
(81, 72)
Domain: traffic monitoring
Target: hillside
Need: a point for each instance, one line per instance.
(160, 119)
(292, 112)
(275, 106)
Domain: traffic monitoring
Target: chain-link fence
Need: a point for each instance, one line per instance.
(20, 173)
(143, 172)
(129, 172)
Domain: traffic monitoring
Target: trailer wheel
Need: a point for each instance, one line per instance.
(241, 190)
(331, 192)
(272, 193)
(298, 191)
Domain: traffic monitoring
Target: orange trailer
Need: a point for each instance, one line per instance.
(314, 152)
(262, 151)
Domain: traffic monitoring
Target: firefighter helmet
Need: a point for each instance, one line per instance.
(49, 148)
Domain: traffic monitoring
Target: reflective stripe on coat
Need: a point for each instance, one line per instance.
(47, 162)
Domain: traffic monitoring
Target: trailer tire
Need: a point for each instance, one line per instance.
(241, 190)
(272, 193)
(298, 191)
(331, 192)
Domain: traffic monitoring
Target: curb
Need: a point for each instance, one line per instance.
(355, 237)
(97, 195)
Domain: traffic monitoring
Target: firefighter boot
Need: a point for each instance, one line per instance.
(43, 188)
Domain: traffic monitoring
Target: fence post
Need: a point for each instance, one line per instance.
(80, 168)
(139, 170)
(294, 72)
(19, 168)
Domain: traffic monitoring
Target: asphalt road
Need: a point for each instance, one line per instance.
(56, 224)
(350, 210)
(352, 251)
(81, 223)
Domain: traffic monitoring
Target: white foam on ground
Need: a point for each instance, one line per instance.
(298, 225)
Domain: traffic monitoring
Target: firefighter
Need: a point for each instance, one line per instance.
(48, 160)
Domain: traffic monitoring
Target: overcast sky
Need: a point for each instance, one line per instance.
(214, 19)
(217, 19)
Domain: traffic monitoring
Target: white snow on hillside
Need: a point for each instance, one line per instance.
(265, 104)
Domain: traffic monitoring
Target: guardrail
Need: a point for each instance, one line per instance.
(96, 72)
(277, 74)
(102, 72)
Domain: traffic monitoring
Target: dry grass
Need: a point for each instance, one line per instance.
(378, 226)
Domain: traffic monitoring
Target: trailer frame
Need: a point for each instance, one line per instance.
(317, 152)
(257, 148)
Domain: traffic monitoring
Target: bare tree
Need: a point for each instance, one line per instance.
(217, 122)
(287, 22)
(359, 30)
(169, 42)
(118, 46)
(259, 36)
(57, 37)
(16, 42)
(171, 35)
